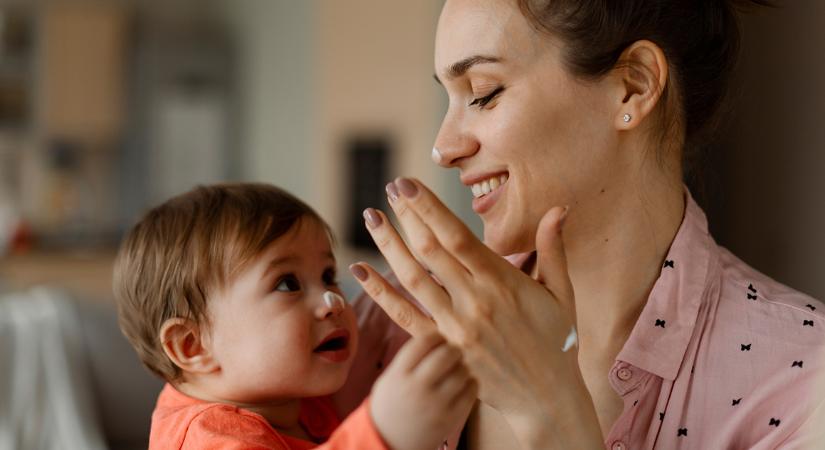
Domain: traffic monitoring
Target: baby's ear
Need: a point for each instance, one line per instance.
(184, 343)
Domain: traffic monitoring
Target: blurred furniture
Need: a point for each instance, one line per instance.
(86, 274)
(68, 378)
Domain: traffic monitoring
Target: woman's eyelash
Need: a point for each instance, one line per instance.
(482, 101)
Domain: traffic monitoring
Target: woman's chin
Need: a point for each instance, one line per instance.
(503, 244)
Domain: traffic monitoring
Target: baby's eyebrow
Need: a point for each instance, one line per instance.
(279, 261)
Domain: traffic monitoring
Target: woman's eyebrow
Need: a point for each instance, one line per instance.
(461, 67)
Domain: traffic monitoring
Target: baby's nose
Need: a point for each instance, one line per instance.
(333, 305)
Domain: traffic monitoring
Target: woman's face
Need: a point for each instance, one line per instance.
(517, 115)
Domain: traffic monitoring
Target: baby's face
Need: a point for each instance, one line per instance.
(272, 332)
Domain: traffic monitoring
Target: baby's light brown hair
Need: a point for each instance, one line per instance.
(183, 251)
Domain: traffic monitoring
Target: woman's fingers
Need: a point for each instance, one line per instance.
(551, 260)
(424, 243)
(397, 307)
(409, 272)
(449, 231)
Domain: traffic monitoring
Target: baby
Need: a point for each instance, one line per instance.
(229, 293)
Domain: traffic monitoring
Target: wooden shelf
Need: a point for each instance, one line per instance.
(86, 275)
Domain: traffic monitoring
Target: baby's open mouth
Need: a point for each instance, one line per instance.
(337, 340)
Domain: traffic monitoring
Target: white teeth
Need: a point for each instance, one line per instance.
(488, 185)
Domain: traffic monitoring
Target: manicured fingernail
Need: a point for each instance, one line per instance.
(436, 155)
(358, 272)
(408, 188)
(372, 217)
(392, 192)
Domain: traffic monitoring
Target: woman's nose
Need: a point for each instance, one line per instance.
(452, 144)
(332, 305)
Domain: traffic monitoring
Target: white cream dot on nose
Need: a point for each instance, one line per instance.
(333, 300)
(436, 155)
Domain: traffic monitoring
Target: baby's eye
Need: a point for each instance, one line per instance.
(329, 277)
(288, 283)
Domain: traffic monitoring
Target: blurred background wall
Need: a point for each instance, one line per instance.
(766, 175)
(110, 106)
(123, 104)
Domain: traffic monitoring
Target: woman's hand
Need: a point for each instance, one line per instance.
(510, 328)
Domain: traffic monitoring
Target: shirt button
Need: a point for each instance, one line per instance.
(618, 445)
(624, 374)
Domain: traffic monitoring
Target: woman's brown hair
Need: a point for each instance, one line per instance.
(700, 39)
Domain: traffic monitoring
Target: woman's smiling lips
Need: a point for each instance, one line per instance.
(335, 346)
(486, 188)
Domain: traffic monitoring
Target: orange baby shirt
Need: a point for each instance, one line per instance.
(183, 422)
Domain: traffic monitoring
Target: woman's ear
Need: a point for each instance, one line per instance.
(643, 72)
(187, 347)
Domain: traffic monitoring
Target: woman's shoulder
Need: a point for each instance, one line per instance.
(761, 350)
(740, 281)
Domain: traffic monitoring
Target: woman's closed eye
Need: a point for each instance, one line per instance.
(481, 102)
(288, 283)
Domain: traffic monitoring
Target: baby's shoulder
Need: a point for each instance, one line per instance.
(225, 426)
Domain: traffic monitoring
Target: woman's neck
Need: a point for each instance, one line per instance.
(615, 247)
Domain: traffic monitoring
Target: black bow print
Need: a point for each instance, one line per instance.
(774, 422)
(682, 432)
(669, 263)
(751, 296)
(807, 323)
(813, 308)
(660, 323)
(736, 401)
(661, 416)
(746, 348)
(797, 364)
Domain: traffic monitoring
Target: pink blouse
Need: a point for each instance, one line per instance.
(722, 356)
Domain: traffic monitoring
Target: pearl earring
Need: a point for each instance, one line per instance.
(627, 118)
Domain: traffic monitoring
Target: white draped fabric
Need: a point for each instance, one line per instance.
(45, 394)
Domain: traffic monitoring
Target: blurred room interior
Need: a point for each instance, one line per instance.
(107, 107)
